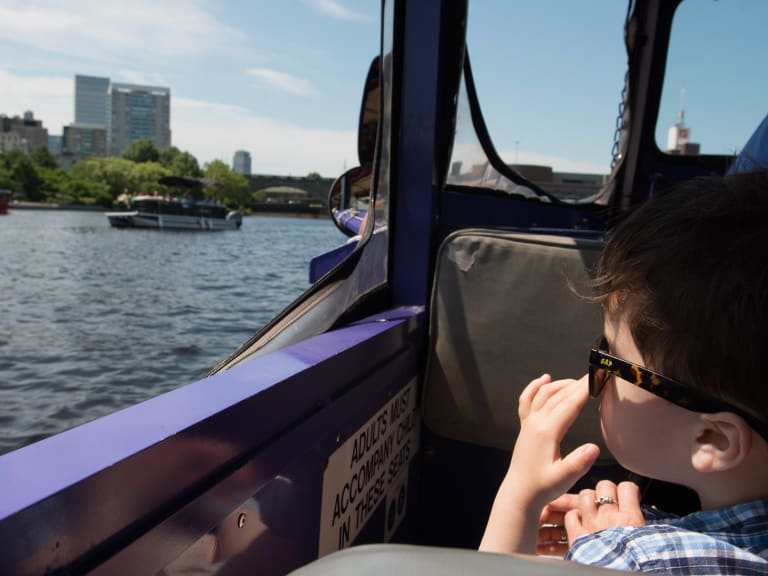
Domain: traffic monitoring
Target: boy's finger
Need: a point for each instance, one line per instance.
(564, 503)
(528, 393)
(569, 402)
(578, 462)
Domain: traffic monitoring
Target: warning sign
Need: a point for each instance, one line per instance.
(369, 469)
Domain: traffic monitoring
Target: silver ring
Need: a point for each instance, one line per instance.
(600, 500)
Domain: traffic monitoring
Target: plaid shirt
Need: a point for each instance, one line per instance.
(731, 540)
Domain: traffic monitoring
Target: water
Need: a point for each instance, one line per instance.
(94, 319)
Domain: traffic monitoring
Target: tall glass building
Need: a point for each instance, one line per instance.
(138, 112)
(91, 100)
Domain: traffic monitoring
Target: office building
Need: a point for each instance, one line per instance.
(91, 100)
(84, 140)
(54, 144)
(135, 113)
(24, 133)
(241, 163)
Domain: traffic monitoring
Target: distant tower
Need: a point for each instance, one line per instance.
(678, 136)
(241, 163)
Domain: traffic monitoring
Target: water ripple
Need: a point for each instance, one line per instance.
(96, 319)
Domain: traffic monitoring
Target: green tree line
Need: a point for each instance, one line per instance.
(37, 177)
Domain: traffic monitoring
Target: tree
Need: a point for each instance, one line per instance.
(142, 151)
(144, 176)
(114, 174)
(180, 163)
(6, 179)
(28, 180)
(232, 188)
(43, 158)
(314, 176)
(82, 191)
(184, 164)
(53, 181)
(168, 155)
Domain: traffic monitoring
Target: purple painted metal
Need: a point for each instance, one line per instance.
(278, 490)
(71, 501)
(414, 206)
(319, 266)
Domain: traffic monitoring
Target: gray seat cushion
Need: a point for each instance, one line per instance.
(503, 313)
(386, 559)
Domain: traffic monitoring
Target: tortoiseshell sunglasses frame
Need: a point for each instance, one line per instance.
(602, 364)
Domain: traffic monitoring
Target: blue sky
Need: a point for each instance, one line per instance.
(283, 79)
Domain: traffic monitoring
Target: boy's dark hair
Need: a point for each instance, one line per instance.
(689, 272)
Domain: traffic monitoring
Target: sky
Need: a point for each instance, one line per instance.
(284, 79)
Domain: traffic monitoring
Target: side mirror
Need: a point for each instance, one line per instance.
(349, 195)
(368, 125)
(348, 199)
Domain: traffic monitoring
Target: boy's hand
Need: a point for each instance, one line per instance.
(547, 410)
(590, 516)
(537, 472)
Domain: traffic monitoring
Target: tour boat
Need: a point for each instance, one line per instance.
(153, 212)
(366, 428)
(175, 213)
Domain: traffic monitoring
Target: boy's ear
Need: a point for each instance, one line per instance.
(720, 441)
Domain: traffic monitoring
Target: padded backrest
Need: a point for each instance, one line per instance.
(502, 313)
(387, 559)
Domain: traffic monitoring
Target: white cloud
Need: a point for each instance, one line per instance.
(283, 81)
(337, 10)
(142, 30)
(213, 131)
(51, 98)
(209, 130)
(143, 78)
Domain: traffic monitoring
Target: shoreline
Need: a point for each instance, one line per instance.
(15, 205)
(90, 208)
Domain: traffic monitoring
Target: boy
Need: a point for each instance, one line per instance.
(680, 374)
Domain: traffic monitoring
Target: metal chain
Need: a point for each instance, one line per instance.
(617, 135)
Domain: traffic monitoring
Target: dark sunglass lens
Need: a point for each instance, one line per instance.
(597, 378)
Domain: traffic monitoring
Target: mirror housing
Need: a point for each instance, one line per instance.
(349, 196)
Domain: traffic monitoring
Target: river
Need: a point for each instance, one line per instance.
(94, 319)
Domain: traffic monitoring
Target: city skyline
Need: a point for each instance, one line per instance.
(284, 80)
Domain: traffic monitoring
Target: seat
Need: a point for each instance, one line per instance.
(386, 559)
(502, 313)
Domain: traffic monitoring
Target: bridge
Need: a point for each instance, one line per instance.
(317, 187)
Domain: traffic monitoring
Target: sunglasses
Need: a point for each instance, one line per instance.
(603, 365)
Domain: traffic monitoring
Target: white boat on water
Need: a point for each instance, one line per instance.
(156, 212)
(176, 213)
